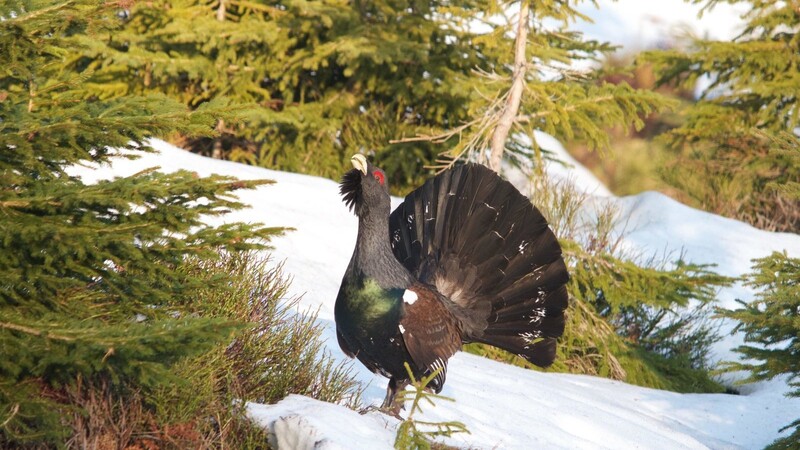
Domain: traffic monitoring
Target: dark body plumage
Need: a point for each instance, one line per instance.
(465, 258)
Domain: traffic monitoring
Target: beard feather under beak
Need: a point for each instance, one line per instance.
(359, 162)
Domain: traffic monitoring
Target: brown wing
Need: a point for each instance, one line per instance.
(430, 332)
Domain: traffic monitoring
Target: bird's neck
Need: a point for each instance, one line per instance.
(373, 255)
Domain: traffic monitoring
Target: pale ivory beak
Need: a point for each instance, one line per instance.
(359, 162)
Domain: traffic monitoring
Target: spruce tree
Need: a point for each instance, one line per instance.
(91, 285)
(771, 323)
(771, 328)
(328, 78)
(728, 146)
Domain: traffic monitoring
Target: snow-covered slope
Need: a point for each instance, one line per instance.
(503, 406)
(659, 224)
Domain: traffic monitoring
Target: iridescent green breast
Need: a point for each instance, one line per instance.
(366, 302)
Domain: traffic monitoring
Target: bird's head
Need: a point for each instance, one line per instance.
(365, 187)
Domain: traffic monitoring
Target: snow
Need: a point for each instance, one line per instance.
(302, 423)
(503, 406)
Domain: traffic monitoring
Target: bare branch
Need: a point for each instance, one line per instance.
(436, 138)
(221, 11)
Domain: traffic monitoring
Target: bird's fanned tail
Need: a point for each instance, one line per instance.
(485, 247)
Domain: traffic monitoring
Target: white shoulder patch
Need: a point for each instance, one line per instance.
(402, 328)
(409, 297)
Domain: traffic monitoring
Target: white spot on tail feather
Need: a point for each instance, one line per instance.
(530, 337)
(402, 328)
(409, 297)
(535, 319)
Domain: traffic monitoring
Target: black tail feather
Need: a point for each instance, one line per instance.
(483, 245)
(546, 327)
(539, 282)
(552, 301)
(542, 353)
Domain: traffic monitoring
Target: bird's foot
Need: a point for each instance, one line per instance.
(368, 409)
(393, 410)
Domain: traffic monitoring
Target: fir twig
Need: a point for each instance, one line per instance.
(409, 435)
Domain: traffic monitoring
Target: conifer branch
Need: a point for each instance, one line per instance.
(38, 13)
(31, 93)
(14, 411)
(409, 436)
(35, 332)
(527, 118)
(26, 203)
(436, 138)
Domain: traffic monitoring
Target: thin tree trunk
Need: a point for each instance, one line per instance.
(221, 11)
(500, 135)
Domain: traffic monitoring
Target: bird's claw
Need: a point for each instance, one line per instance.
(393, 411)
(368, 409)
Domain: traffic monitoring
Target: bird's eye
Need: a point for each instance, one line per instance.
(379, 176)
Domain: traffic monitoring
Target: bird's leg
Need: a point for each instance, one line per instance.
(392, 404)
(391, 392)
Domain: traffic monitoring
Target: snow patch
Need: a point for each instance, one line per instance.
(302, 423)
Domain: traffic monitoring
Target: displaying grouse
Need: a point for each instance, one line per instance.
(465, 258)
